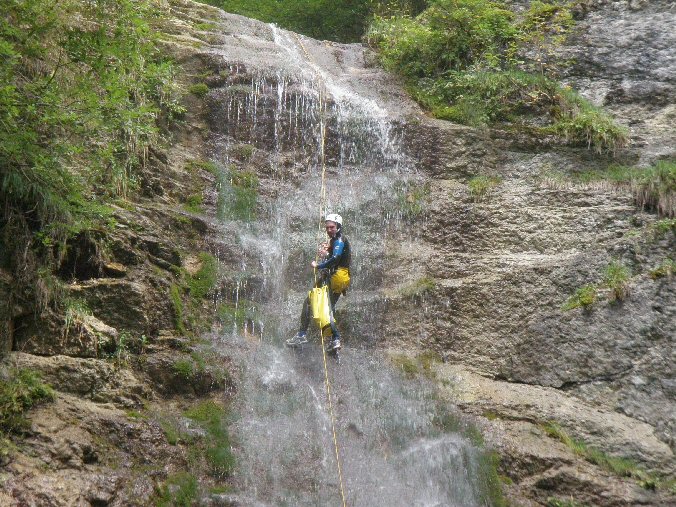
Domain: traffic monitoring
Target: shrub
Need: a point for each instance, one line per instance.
(563, 502)
(662, 227)
(19, 391)
(243, 151)
(411, 199)
(205, 165)
(464, 60)
(654, 187)
(230, 314)
(184, 367)
(84, 92)
(199, 89)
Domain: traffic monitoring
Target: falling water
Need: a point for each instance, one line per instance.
(393, 442)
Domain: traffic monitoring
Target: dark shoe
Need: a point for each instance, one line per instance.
(299, 339)
(333, 345)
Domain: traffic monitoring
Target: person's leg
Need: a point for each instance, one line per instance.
(301, 337)
(305, 317)
(335, 338)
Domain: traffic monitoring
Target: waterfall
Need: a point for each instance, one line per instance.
(393, 435)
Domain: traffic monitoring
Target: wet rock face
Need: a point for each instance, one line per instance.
(624, 59)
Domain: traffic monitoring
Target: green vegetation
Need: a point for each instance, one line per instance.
(480, 187)
(184, 367)
(584, 297)
(193, 203)
(418, 288)
(654, 187)
(413, 366)
(336, 20)
(622, 467)
(616, 278)
(237, 196)
(407, 364)
(563, 502)
(76, 310)
(188, 294)
(204, 280)
(213, 418)
(489, 461)
(491, 481)
(19, 391)
(464, 61)
(230, 314)
(663, 227)
(205, 165)
(199, 89)
(179, 310)
(666, 269)
(179, 490)
(205, 26)
(84, 94)
(411, 199)
(243, 151)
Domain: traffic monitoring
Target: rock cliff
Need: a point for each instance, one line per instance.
(476, 282)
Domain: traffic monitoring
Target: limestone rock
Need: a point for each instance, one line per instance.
(85, 336)
(94, 379)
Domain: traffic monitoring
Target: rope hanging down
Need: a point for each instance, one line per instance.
(322, 203)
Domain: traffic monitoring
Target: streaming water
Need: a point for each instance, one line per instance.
(393, 434)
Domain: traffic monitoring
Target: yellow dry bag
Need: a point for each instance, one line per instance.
(319, 304)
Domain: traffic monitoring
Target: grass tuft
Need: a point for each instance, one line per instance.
(179, 490)
(418, 288)
(665, 270)
(619, 466)
(616, 278)
(584, 297)
(480, 187)
(20, 390)
(199, 90)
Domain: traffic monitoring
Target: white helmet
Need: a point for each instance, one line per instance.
(333, 217)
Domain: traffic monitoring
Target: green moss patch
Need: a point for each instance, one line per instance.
(212, 417)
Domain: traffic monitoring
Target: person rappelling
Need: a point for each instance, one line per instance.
(334, 278)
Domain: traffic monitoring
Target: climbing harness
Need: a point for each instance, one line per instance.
(326, 306)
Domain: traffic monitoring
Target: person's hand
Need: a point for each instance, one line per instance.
(323, 250)
(314, 264)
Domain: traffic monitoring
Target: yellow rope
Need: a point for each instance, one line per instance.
(322, 200)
